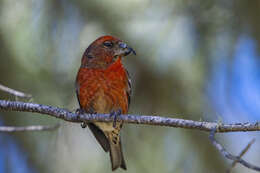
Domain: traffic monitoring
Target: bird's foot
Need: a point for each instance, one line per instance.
(83, 125)
(115, 114)
(78, 112)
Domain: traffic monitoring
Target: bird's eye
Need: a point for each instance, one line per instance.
(108, 44)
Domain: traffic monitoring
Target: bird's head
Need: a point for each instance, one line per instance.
(104, 51)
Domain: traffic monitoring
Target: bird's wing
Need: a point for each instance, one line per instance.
(129, 88)
(100, 136)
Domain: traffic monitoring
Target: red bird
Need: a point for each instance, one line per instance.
(103, 86)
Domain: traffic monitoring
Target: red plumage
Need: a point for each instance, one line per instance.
(113, 81)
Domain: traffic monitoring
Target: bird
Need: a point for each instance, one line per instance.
(103, 86)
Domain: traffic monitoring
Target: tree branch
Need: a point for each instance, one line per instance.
(140, 119)
(28, 128)
(14, 92)
(132, 119)
(241, 155)
(227, 155)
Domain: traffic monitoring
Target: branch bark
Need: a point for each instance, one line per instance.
(132, 119)
(14, 92)
(229, 156)
(241, 155)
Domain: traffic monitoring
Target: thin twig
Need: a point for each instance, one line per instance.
(226, 154)
(14, 92)
(243, 152)
(132, 119)
(28, 128)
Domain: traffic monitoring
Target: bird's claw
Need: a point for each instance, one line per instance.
(83, 125)
(78, 112)
(115, 114)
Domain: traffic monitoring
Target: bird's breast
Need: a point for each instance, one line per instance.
(103, 91)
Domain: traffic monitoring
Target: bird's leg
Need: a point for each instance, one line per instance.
(115, 114)
(81, 111)
(83, 125)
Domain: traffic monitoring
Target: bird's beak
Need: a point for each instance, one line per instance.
(125, 50)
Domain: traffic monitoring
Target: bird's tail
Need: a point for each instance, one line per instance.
(116, 154)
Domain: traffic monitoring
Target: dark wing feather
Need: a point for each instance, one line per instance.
(100, 136)
(129, 89)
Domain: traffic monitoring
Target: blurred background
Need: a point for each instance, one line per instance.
(196, 60)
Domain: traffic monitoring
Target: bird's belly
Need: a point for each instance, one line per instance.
(105, 126)
(106, 103)
(103, 103)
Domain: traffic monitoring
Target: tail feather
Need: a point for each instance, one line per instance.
(116, 154)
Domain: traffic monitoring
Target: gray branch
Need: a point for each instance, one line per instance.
(14, 92)
(227, 155)
(28, 128)
(241, 155)
(139, 119)
(132, 119)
